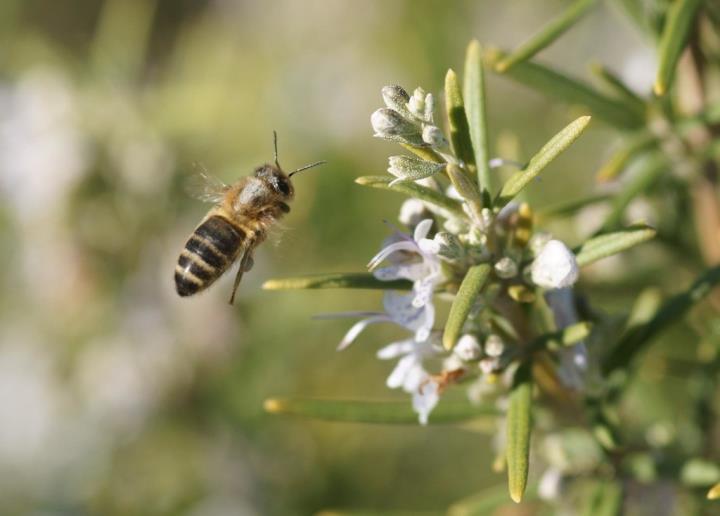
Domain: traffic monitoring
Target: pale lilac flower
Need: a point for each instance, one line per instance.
(555, 266)
(399, 309)
(468, 348)
(573, 360)
(416, 259)
(410, 375)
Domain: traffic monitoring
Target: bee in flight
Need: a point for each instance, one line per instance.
(239, 222)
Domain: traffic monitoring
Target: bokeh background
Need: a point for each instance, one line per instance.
(117, 396)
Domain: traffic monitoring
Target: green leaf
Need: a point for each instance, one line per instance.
(467, 188)
(620, 160)
(382, 412)
(700, 473)
(470, 288)
(546, 36)
(363, 280)
(519, 426)
(570, 207)
(647, 22)
(638, 337)
(452, 207)
(649, 171)
(549, 152)
(566, 337)
(674, 39)
(475, 108)
(608, 244)
(485, 502)
(375, 512)
(605, 500)
(631, 99)
(457, 121)
(572, 91)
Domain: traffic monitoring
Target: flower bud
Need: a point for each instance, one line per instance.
(468, 348)
(494, 346)
(555, 266)
(506, 268)
(416, 104)
(450, 246)
(395, 98)
(410, 168)
(433, 136)
(391, 125)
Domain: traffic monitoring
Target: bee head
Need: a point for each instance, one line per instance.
(276, 179)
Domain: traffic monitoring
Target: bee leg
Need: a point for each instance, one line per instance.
(245, 265)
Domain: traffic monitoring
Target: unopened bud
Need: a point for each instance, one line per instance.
(494, 346)
(410, 168)
(391, 125)
(416, 104)
(395, 98)
(555, 266)
(450, 246)
(468, 348)
(433, 136)
(506, 268)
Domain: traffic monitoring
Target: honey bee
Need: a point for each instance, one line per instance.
(243, 214)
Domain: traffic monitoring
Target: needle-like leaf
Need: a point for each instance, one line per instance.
(549, 152)
(519, 427)
(451, 206)
(546, 36)
(607, 244)
(368, 411)
(361, 280)
(674, 39)
(572, 91)
(469, 290)
(458, 122)
(475, 108)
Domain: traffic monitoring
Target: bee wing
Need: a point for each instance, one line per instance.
(205, 187)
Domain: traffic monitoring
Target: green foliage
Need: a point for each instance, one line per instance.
(373, 411)
(539, 161)
(519, 428)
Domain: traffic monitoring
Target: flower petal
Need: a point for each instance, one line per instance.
(357, 328)
(392, 248)
(422, 229)
(401, 371)
(424, 401)
(411, 271)
(395, 349)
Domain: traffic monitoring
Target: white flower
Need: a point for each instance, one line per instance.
(415, 259)
(410, 375)
(555, 266)
(411, 212)
(550, 483)
(420, 264)
(399, 309)
(494, 346)
(468, 348)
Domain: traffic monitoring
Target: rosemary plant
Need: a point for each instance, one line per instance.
(519, 338)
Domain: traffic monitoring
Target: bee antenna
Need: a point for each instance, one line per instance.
(311, 165)
(275, 155)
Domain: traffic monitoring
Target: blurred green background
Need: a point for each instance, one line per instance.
(117, 396)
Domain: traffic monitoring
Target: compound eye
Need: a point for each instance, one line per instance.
(283, 187)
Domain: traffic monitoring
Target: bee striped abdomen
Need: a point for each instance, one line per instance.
(209, 251)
